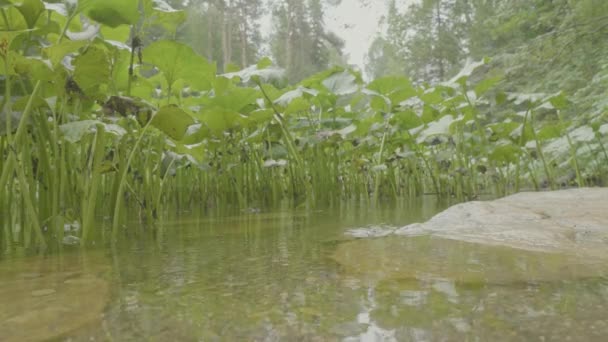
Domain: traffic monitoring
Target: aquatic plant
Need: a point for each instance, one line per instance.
(96, 122)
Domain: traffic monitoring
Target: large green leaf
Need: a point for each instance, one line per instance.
(343, 83)
(505, 152)
(34, 68)
(408, 120)
(179, 61)
(230, 97)
(92, 68)
(113, 12)
(173, 121)
(119, 34)
(161, 13)
(31, 11)
(550, 131)
(219, 119)
(487, 84)
(56, 52)
(396, 88)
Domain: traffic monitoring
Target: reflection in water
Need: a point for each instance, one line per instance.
(297, 276)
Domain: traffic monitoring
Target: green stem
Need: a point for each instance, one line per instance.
(25, 117)
(91, 199)
(572, 148)
(122, 182)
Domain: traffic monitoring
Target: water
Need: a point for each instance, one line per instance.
(282, 276)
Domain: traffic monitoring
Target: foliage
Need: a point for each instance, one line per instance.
(124, 123)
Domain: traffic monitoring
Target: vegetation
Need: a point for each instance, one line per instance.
(105, 111)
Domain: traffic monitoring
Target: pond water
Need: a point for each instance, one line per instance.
(281, 276)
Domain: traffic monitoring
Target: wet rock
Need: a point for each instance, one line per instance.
(43, 292)
(571, 221)
(527, 237)
(371, 232)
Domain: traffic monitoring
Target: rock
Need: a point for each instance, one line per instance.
(527, 237)
(68, 293)
(567, 221)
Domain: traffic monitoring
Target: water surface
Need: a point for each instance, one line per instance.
(275, 276)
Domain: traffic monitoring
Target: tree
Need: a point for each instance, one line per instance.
(300, 41)
(226, 31)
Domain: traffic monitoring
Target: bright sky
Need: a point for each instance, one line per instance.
(356, 21)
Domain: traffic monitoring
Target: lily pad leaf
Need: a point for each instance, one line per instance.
(113, 12)
(219, 120)
(173, 121)
(31, 11)
(396, 88)
(178, 61)
(343, 83)
(92, 68)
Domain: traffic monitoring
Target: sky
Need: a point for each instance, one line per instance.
(356, 21)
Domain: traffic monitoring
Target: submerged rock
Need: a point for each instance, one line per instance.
(68, 293)
(546, 236)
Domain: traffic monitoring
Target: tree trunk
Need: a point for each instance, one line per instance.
(439, 53)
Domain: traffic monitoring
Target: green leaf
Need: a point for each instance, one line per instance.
(559, 101)
(264, 63)
(503, 130)
(161, 13)
(178, 61)
(31, 11)
(501, 98)
(56, 52)
(92, 68)
(119, 34)
(7, 37)
(232, 98)
(297, 105)
(343, 83)
(487, 84)
(505, 153)
(261, 116)
(407, 120)
(219, 120)
(432, 96)
(113, 13)
(550, 131)
(396, 88)
(173, 121)
(379, 104)
(34, 68)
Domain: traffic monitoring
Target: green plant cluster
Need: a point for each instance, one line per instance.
(95, 124)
